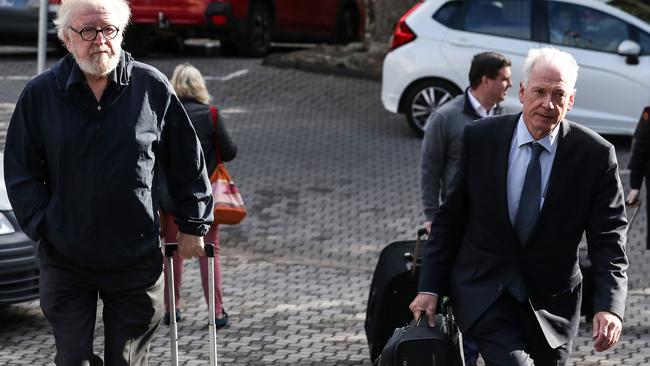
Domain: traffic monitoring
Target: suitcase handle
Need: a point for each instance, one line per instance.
(416, 253)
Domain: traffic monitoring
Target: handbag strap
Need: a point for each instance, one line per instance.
(215, 117)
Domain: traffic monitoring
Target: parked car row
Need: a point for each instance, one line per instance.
(244, 26)
(19, 21)
(433, 44)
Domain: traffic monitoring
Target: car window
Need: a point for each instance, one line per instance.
(509, 18)
(644, 40)
(641, 11)
(582, 27)
(446, 13)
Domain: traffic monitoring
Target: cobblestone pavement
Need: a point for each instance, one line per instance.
(329, 178)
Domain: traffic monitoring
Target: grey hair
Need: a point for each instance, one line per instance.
(62, 19)
(551, 56)
(189, 83)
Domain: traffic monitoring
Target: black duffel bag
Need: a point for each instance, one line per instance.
(417, 344)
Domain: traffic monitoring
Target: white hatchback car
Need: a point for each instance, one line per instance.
(433, 44)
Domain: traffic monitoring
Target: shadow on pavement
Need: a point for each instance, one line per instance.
(25, 317)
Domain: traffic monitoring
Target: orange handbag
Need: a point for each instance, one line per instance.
(229, 207)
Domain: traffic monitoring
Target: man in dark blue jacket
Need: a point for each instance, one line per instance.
(81, 159)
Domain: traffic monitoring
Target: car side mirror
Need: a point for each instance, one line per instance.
(631, 50)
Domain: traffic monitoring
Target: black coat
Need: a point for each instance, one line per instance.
(474, 248)
(82, 175)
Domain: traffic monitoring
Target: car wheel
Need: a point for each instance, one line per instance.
(347, 25)
(257, 42)
(424, 98)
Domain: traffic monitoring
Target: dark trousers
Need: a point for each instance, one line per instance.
(133, 307)
(508, 334)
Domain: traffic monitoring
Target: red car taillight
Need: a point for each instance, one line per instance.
(219, 19)
(402, 33)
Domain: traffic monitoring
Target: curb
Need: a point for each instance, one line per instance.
(292, 62)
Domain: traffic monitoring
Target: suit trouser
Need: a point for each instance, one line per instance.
(132, 309)
(508, 334)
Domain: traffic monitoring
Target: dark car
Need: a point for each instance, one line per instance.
(245, 26)
(18, 259)
(19, 21)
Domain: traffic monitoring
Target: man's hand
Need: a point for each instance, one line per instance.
(633, 197)
(606, 331)
(427, 226)
(190, 246)
(426, 303)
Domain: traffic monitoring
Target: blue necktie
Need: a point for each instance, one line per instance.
(531, 195)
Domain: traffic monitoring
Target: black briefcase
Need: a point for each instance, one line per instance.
(417, 344)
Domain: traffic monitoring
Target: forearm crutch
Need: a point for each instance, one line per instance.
(170, 248)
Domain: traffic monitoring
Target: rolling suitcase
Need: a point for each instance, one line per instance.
(170, 248)
(394, 285)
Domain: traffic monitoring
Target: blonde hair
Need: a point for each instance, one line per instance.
(188, 83)
(62, 19)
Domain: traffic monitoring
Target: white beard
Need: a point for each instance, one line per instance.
(98, 65)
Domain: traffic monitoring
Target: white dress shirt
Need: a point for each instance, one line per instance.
(478, 107)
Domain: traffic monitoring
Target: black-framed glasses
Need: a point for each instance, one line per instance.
(90, 33)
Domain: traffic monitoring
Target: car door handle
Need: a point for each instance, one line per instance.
(461, 42)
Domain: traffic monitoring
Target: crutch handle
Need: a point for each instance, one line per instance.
(209, 249)
(170, 248)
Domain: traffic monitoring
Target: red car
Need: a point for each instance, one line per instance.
(246, 26)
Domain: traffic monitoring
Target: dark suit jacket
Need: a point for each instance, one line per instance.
(474, 248)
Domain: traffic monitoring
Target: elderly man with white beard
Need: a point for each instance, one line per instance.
(83, 149)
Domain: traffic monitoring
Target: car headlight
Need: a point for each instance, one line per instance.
(5, 225)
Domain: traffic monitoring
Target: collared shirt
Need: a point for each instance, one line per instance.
(520, 153)
(82, 175)
(478, 107)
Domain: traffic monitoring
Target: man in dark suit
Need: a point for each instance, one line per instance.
(506, 241)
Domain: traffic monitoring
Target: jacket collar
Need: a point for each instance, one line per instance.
(468, 108)
(67, 72)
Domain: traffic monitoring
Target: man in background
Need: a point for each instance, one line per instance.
(489, 77)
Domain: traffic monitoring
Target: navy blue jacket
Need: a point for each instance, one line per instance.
(82, 175)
